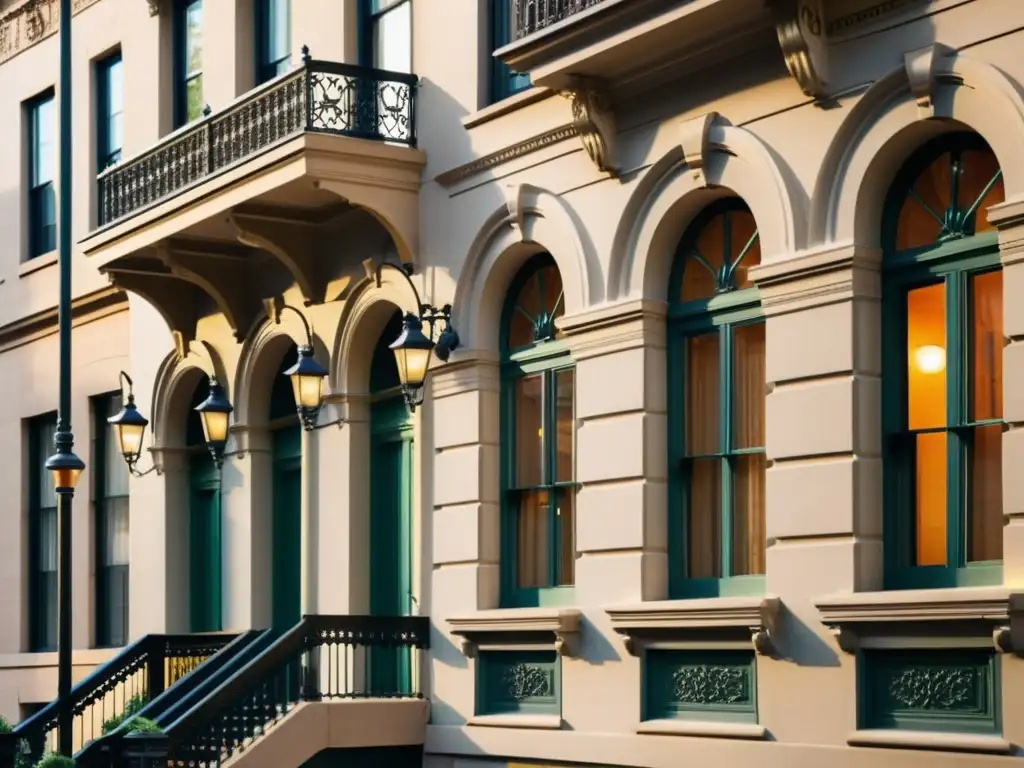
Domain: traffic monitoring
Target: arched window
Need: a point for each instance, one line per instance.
(716, 392)
(942, 368)
(538, 474)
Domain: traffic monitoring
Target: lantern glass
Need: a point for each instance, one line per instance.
(308, 390)
(65, 477)
(215, 426)
(129, 439)
(412, 366)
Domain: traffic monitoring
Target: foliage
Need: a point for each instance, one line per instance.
(5, 725)
(21, 759)
(131, 707)
(144, 725)
(54, 760)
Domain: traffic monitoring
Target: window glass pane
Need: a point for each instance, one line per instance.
(565, 514)
(278, 44)
(920, 220)
(532, 531)
(116, 597)
(565, 424)
(979, 167)
(926, 356)
(538, 304)
(113, 135)
(529, 394)
(42, 140)
(987, 346)
(45, 431)
(42, 219)
(704, 519)
(194, 38)
(748, 386)
(985, 500)
(744, 246)
(748, 536)
(392, 45)
(704, 261)
(115, 483)
(930, 498)
(115, 531)
(702, 394)
(194, 98)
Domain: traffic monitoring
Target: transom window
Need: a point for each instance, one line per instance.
(716, 408)
(942, 374)
(538, 436)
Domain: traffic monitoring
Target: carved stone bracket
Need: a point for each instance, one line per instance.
(154, 7)
(594, 121)
(176, 302)
(716, 620)
(911, 618)
(695, 140)
(800, 26)
(558, 629)
(920, 65)
(291, 242)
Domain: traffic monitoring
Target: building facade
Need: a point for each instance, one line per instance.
(723, 465)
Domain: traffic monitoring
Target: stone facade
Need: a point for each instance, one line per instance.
(822, 662)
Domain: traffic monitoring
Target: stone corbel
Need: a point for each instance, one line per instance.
(694, 135)
(558, 629)
(846, 638)
(219, 275)
(154, 7)
(292, 243)
(920, 65)
(176, 303)
(594, 121)
(800, 26)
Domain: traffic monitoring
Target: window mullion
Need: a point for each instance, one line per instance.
(547, 447)
(956, 341)
(725, 445)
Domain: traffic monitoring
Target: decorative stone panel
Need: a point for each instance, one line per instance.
(700, 685)
(518, 682)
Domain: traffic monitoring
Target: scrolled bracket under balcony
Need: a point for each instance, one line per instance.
(255, 199)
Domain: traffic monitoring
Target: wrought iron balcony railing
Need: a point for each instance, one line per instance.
(318, 97)
(529, 16)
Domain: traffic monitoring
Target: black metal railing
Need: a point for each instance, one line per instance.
(138, 674)
(321, 658)
(318, 97)
(529, 16)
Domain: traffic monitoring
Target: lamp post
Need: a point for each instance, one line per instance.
(413, 348)
(64, 465)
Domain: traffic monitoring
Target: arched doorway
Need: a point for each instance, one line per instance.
(286, 500)
(391, 505)
(204, 524)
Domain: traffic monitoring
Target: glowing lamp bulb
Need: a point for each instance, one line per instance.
(930, 358)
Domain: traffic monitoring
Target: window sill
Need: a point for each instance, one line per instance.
(516, 628)
(509, 104)
(923, 617)
(715, 730)
(946, 742)
(741, 621)
(544, 722)
(37, 263)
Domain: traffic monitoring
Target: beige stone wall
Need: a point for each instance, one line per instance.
(813, 178)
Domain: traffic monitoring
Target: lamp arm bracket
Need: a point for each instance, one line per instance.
(405, 270)
(155, 468)
(126, 382)
(276, 309)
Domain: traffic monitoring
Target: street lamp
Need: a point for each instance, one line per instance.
(130, 425)
(214, 412)
(307, 377)
(413, 348)
(65, 468)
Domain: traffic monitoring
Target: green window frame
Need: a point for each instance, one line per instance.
(189, 102)
(42, 518)
(42, 201)
(956, 262)
(109, 110)
(112, 520)
(542, 371)
(273, 39)
(504, 82)
(722, 317)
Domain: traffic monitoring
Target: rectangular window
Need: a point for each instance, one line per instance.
(110, 489)
(543, 488)
(188, 61)
(273, 43)
(109, 111)
(946, 462)
(930, 690)
(387, 36)
(42, 202)
(42, 537)
(717, 686)
(504, 82)
(518, 682)
(723, 459)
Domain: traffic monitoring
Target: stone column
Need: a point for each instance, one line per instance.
(465, 519)
(824, 499)
(621, 533)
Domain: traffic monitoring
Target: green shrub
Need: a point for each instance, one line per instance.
(53, 760)
(21, 759)
(143, 725)
(5, 725)
(133, 705)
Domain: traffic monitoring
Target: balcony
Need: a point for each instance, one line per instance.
(234, 206)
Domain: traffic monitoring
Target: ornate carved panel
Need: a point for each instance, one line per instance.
(518, 682)
(699, 684)
(24, 24)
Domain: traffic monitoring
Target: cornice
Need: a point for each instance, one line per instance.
(555, 627)
(533, 144)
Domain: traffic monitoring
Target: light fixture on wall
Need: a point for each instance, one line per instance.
(129, 426)
(413, 348)
(215, 412)
(307, 375)
(930, 358)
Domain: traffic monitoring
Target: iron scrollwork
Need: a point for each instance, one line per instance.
(529, 16)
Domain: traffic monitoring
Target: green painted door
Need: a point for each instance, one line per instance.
(204, 545)
(390, 536)
(286, 558)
